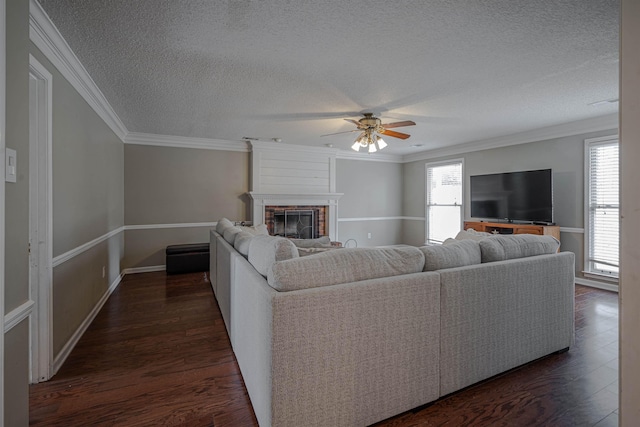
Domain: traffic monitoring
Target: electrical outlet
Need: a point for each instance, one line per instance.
(104, 271)
(368, 235)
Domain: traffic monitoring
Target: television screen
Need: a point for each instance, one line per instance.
(514, 196)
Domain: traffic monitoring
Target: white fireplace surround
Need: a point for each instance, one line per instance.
(260, 200)
(291, 175)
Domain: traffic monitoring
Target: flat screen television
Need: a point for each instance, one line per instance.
(525, 196)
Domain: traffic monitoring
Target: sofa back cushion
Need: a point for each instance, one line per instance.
(242, 242)
(230, 234)
(455, 254)
(222, 225)
(500, 248)
(264, 251)
(344, 266)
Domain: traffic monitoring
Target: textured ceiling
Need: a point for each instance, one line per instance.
(293, 69)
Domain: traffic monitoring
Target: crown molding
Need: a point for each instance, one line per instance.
(377, 157)
(595, 124)
(185, 142)
(289, 148)
(48, 39)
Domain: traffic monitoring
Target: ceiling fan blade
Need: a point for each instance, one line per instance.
(338, 133)
(355, 122)
(399, 124)
(394, 134)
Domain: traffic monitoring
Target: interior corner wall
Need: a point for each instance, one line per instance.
(630, 211)
(564, 155)
(172, 195)
(16, 366)
(88, 207)
(371, 204)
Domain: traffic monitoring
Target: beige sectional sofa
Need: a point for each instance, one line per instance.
(349, 337)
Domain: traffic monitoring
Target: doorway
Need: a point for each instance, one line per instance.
(40, 221)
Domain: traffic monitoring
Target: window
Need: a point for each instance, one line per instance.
(603, 206)
(443, 210)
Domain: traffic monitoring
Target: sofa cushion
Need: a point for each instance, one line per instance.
(455, 254)
(242, 242)
(230, 233)
(264, 251)
(344, 266)
(256, 230)
(499, 248)
(472, 234)
(313, 251)
(320, 242)
(222, 225)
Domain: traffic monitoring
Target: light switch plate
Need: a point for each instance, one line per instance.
(11, 165)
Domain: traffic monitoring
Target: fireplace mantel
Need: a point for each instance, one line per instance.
(260, 200)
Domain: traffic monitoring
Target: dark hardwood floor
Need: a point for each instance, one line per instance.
(158, 354)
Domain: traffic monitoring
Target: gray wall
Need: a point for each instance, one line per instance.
(564, 155)
(88, 203)
(371, 190)
(630, 209)
(16, 272)
(179, 186)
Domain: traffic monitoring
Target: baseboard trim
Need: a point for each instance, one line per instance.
(596, 284)
(17, 315)
(148, 269)
(73, 341)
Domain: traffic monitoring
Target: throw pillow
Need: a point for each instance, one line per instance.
(256, 230)
(264, 251)
(320, 242)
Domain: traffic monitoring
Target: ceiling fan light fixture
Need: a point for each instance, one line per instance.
(381, 143)
(372, 148)
(356, 145)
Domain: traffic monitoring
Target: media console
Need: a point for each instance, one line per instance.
(512, 228)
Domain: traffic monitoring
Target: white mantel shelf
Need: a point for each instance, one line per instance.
(290, 198)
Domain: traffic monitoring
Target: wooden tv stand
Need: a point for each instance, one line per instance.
(511, 228)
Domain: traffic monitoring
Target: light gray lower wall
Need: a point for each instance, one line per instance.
(16, 375)
(78, 285)
(167, 185)
(146, 248)
(565, 156)
(372, 196)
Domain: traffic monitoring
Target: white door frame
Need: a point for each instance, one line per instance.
(40, 220)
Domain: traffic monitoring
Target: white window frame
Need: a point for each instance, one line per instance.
(427, 166)
(588, 271)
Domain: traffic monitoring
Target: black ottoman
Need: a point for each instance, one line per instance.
(187, 258)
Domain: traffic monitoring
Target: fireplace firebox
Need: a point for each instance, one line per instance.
(300, 222)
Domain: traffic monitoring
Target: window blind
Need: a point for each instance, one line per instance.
(604, 208)
(443, 201)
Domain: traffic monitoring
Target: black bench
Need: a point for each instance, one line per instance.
(187, 258)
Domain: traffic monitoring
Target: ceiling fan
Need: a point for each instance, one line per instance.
(370, 127)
